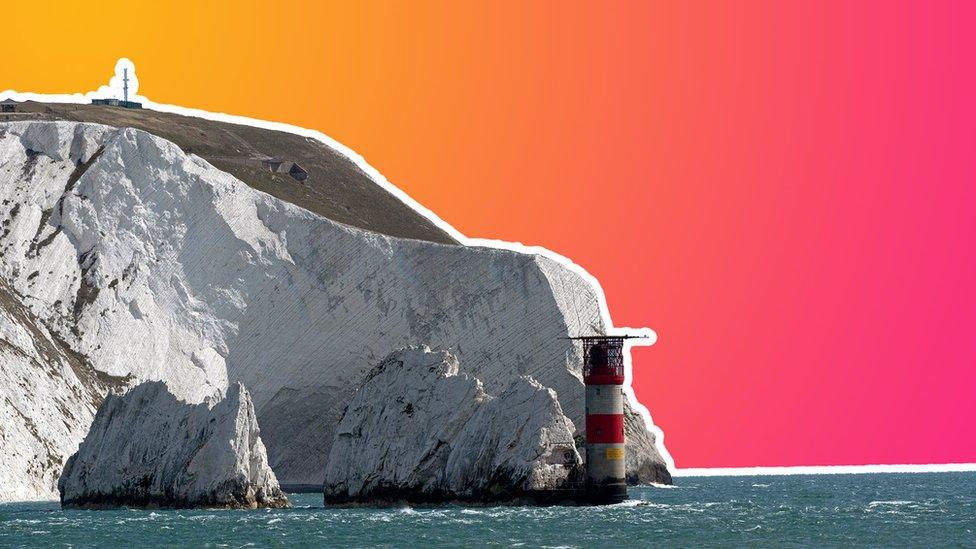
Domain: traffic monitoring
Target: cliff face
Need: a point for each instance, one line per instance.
(48, 397)
(148, 448)
(149, 262)
(419, 430)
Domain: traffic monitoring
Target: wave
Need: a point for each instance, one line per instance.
(889, 502)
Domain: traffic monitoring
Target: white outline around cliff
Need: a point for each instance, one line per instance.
(114, 90)
(650, 337)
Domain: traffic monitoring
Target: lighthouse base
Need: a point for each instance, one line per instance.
(604, 494)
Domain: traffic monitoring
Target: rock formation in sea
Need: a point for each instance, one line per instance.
(145, 261)
(147, 448)
(419, 430)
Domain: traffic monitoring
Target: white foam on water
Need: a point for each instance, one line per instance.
(892, 502)
(629, 503)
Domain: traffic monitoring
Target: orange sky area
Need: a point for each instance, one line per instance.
(782, 190)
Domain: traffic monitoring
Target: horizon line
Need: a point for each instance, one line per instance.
(823, 470)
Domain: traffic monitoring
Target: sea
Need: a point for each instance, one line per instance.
(879, 510)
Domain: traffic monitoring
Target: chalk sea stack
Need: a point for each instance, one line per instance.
(153, 259)
(147, 448)
(419, 430)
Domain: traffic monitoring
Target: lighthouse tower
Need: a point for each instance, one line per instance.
(603, 375)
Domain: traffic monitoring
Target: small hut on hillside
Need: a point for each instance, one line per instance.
(293, 169)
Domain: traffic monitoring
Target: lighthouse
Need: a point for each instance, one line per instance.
(603, 376)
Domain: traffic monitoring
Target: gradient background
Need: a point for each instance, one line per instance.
(784, 191)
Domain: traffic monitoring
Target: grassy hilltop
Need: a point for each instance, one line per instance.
(336, 188)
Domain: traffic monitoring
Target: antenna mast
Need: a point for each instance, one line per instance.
(125, 84)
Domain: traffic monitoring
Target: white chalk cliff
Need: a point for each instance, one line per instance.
(149, 262)
(419, 430)
(48, 397)
(148, 448)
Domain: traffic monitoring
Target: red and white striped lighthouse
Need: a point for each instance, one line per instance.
(603, 375)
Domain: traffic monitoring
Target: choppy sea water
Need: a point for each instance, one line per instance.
(928, 509)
